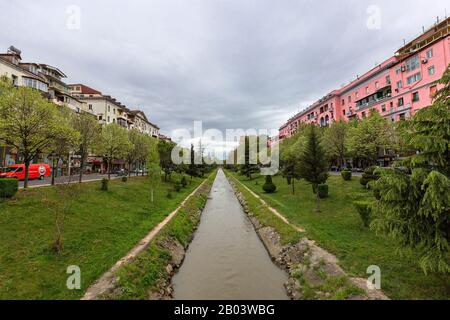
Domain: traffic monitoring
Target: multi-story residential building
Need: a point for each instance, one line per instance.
(396, 88)
(20, 75)
(42, 77)
(141, 123)
(109, 110)
(106, 108)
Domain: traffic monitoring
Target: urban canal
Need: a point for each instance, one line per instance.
(226, 260)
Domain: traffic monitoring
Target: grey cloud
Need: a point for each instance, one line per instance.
(232, 64)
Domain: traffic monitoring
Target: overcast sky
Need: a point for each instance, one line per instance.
(230, 63)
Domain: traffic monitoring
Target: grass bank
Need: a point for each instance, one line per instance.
(339, 230)
(148, 276)
(100, 228)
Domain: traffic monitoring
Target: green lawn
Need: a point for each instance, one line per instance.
(338, 229)
(101, 228)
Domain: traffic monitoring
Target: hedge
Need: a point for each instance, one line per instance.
(8, 187)
(346, 175)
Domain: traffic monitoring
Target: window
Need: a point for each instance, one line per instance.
(109, 119)
(414, 78)
(100, 118)
(14, 79)
(415, 96)
(364, 114)
(398, 70)
(109, 109)
(412, 63)
(90, 107)
(388, 79)
(433, 90)
(400, 102)
(401, 117)
(357, 94)
(343, 112)
(367, 90)
(377, 85)
(349, 99)
(114, 111)
(383, 108)
(343, 102)
(400, 84)
(429, 54)
(431, 71)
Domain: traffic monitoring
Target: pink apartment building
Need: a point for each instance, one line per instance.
(397, 88)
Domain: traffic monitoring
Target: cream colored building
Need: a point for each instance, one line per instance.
(108, 110)
(43, 77)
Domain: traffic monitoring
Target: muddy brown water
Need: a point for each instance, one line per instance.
(226, 260)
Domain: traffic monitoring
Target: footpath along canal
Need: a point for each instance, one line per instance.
(226, 260)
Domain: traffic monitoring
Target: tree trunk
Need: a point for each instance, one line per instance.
(27, 166)
(80, 178)
(129, 169)
(318, 200)
(293, 186)
(53, 171)
(109, 169)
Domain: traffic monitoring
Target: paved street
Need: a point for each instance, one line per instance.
(65, 179)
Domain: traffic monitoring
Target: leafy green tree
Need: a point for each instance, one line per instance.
(334, 138)
(28, 122)
(415, 209)
(165, 155)
(364, 138)
(313, 164)
(153, 167)
(89, 129)
(139, 148)
(65, 140)
(113, 144)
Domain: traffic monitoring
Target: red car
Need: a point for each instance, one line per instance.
(35, 171)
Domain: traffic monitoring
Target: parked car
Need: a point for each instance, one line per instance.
(35, 171)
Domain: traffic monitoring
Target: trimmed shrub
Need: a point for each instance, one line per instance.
(368, 176)
(177, 186)
(269, 186)
(8, 187)
(346, 174)
(184, 181)
(105, 184)
(323, 191)
(364, 209)
(124, 179)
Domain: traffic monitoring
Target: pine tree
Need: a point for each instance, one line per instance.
(248, 168)
(415, 210)
(313, 163)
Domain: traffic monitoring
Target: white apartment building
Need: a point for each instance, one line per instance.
(43, 77)
(108, 110)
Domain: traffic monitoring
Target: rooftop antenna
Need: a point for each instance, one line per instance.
(404, 42)
(423, 29)
(437, 19)
(445, 10)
